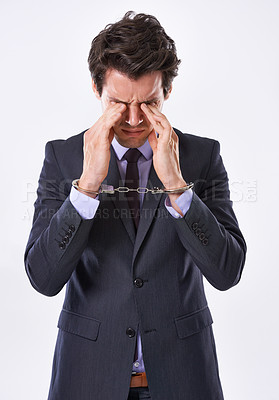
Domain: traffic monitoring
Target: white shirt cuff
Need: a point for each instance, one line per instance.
(86, 206)
(183, 202)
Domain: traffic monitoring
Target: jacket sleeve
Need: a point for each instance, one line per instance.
(209, 231)
(58, 235)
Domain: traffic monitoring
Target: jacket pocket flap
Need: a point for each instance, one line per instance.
(80, 325)
(193, 323)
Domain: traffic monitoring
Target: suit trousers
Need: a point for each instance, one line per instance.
(140, 393)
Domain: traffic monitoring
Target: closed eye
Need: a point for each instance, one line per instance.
(155, 103)
(149, 102)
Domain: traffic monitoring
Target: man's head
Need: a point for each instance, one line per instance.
(133, 61)
(134, 46)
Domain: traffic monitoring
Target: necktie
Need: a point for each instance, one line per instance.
(132, 181)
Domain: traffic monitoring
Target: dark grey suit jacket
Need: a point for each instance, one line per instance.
(100, 259)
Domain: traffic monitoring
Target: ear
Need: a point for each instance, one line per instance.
(168, 94)
(94, 87)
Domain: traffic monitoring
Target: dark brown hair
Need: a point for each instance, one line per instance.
(135, 45)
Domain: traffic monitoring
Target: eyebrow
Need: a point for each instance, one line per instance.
(126, 103)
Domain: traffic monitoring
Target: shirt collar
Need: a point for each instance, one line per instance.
(145, 149)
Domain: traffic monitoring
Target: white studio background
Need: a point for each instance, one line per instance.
(227, 89)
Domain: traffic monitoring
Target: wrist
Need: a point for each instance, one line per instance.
(173, 198)
(174, 184)
(89, 184)
(180, 183)
(86, 187)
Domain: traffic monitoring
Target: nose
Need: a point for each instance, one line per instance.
(134, 115)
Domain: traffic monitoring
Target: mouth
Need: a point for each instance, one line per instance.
(133, 132)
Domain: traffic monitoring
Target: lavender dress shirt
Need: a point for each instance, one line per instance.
(87, 206)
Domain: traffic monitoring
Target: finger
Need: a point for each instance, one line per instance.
(113, 114)
(153, 109)
(111, 135)
(113, 106)
(153, 119)
(116, 107)
(155, 116)
(161, 126)
(174, 136)
(153, 140)
(149, 109)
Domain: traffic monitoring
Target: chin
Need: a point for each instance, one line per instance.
(131, 142)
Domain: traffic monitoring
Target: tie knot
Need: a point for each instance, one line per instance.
(132, 155)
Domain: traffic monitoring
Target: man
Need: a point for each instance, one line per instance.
(135, 321)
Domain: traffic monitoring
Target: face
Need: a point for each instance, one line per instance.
(133, 128)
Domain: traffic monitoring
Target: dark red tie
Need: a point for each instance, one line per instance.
(132, 182)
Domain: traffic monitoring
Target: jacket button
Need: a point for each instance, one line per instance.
(62, 245)
(72, 228)
(195, 226)
(138, 282)
(198, 231)
(69, 233)
(202, 236)
(205, 242)
(130, 332)
(66, 239)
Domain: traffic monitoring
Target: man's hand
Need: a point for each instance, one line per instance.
(165, 151)
(96, 148)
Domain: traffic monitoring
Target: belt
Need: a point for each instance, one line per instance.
(139, 380)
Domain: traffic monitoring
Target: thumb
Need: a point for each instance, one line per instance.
(153, 140)
(111, 135)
